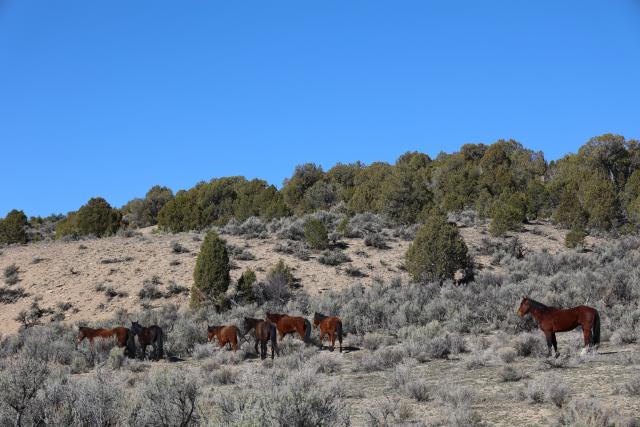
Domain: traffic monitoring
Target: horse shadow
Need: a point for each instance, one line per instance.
(345, 349)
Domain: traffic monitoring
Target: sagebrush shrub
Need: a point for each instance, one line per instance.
(333, 257)
(167, 398)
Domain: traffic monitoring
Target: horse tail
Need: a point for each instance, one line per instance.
(130, 345)
(274, 338)
(307, 330)
(339, 331)
(595, 333)
(160, 338)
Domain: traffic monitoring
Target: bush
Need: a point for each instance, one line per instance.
(13, 228)
(11, 274)
(294, 398)
(96, 218)
(376, 240)
(333, 257)
(245, 283)
(20, 381)
(575, 237)
(437, 252)
(211, 274)
(588, 412)
(167, 398)
(294, 248)
(281, 274)
(177, 248)
(510, 374)
(315, 234)
(509, 212)
(10, 296)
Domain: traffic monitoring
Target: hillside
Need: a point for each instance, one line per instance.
(59, 272)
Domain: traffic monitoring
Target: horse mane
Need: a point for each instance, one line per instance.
(319, 316)
(538, 305)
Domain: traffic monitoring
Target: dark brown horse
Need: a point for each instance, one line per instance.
(291, 324)
(330, 325)
(227, 334)
(151, 335)
(263, 331)
(123, 336)
(552, 320)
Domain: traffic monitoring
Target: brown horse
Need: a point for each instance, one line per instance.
(151, 335)
(552, 320)
(329, 325)
(124, 337)
(291, 324)
(226, 335)
(263, 331)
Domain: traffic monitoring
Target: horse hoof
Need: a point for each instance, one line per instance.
(557, 355)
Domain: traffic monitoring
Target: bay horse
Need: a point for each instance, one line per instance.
(263, 331)
(123, 336)
(290, 324)
(227, 334)
(330, 325)
(552, 320)
(151, 335)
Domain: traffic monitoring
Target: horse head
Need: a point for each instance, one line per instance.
(317, 318)
(136, 328)
(524, 306)
(212, 331)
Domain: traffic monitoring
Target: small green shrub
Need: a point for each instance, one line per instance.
(575, 237)
(13, 228)
(316, 234)
(211, 274)
(437, 252)
(281, 274)
(245, 283)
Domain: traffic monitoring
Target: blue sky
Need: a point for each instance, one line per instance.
(109, 98)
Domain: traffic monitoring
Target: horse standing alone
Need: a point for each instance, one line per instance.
(263, 331)
(151, 335)
(227, 334)
(330, 325)
(552, 320)
(290, 324)
(123, 336)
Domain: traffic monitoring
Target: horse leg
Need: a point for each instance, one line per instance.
(549, 342)
(256, 346)
(263, 350)
(321, 338)
(144, 352)
(586, 333)
(555, 344)
(332, 340)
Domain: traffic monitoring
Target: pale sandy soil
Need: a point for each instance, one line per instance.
(59, 272)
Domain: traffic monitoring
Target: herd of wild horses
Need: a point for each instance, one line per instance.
(276, 326)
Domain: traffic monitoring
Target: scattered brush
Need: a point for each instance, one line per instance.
(116, 260)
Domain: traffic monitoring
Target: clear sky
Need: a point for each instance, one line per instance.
(107, 98)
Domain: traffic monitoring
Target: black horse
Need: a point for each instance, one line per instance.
(264, 331)
(151, 335)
